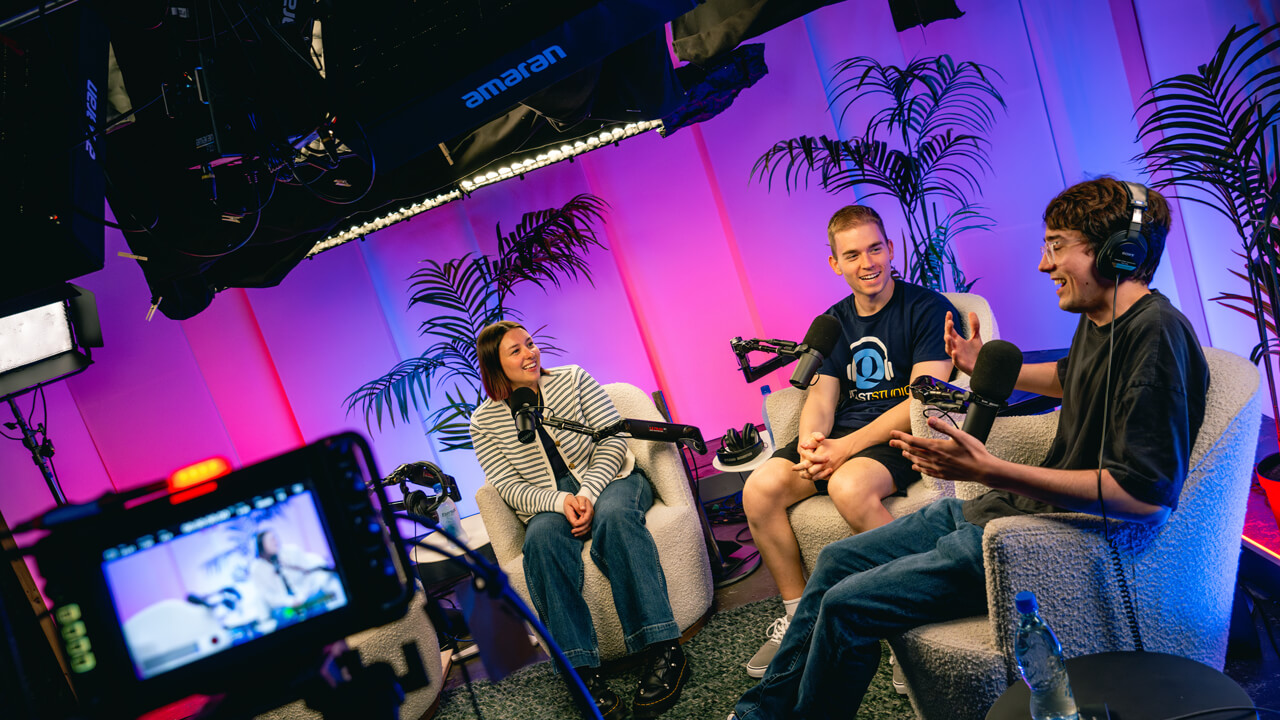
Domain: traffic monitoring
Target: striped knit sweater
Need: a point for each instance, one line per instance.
(522, 473)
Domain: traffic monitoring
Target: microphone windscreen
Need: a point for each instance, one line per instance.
(996, 370)
(823, 334)
(524, 397)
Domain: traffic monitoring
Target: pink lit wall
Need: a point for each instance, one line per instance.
(696, 254)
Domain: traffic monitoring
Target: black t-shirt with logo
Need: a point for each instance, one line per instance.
(875, 353)
(1153, 408)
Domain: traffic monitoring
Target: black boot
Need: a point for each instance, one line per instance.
(606, 700)
(665, 673)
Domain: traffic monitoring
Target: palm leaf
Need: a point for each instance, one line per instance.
(471, 292)
(1215, 131)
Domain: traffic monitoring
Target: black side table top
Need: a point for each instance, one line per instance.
(1138, 686)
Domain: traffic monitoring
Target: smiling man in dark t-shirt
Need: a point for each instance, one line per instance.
(888, 335)
(927, 567)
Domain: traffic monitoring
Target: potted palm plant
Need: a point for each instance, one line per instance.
(925, 145)
(546, 248)
(1214, 132)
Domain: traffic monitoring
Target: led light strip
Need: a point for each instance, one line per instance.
(517, 168)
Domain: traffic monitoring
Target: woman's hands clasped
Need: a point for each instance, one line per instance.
(580, 512)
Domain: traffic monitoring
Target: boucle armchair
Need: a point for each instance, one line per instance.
(673, 522)
(1182, 572)
(815, 521)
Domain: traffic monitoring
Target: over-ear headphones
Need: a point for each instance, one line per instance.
(425, 474)
(1125, 250)
(737, 447)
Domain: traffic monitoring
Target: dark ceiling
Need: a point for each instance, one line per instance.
(229, 143)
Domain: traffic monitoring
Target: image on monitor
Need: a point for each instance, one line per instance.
(223, 579)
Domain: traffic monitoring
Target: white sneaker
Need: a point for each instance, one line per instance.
(899, 679)
(760, 661)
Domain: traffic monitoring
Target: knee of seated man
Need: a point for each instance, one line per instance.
(861, 479)
(768, 483)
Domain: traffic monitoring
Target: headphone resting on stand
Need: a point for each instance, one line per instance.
(1125, 251)
(737, 447)
(424, 474)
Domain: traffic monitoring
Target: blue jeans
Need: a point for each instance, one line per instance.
(624, 551)
(923, 568)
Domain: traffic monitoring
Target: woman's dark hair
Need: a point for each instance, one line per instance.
(496, 384)
(1100, 208)
(258, 540)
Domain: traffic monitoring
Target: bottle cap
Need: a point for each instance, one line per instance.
(764, 390)
(1025, 602)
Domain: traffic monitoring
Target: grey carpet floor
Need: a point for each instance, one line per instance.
(716, 657)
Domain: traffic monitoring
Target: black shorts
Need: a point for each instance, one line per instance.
(899, 467)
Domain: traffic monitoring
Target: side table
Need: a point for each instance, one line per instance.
(1138, 686)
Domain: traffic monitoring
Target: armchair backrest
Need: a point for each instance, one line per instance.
(1182, 571)
(972, 303)
(659, 460)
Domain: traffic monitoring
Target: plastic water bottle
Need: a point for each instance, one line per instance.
(764, 411)
(450, 520)
(1039, 657)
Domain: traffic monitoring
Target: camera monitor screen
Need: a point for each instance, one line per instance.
(223, 579)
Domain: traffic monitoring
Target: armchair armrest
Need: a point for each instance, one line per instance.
(506, 532)
(1064, 559)
(1022, 439)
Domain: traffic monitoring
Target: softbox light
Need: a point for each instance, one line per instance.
(45, 336)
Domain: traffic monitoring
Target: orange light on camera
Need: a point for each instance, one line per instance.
(201, 472)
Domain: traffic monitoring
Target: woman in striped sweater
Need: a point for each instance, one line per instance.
(567, 490)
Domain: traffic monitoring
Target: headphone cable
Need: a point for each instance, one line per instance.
(1116, 562)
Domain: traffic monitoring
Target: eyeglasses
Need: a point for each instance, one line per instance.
(1051, 248)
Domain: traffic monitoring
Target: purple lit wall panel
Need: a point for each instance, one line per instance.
(1089, 77)
(780, 237)
(327, 334)
(1024, 175)
(144, 401)
(241, 375)
(671, 248)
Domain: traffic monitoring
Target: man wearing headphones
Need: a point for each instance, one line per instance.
(1102, 243)
(888, 335)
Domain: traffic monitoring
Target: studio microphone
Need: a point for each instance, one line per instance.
(524, 403)
(818, 344)
(994, 374)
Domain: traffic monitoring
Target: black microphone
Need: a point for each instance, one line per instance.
(818, 344)
(994, 374)
(524, 403)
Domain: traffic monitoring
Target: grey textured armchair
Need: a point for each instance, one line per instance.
(1182, 573)
(673, 522)
(815, 521)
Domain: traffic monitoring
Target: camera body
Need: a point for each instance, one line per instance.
(233, 586)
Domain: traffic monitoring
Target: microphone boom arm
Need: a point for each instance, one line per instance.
(626, 427)
(786, 351)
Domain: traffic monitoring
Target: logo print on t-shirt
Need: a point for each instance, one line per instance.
(870, 365)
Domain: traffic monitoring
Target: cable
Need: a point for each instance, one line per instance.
(940, 413)
(1125, 598)
(489, 578)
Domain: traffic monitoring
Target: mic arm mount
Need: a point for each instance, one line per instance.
(625, 427)
(786, 352)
